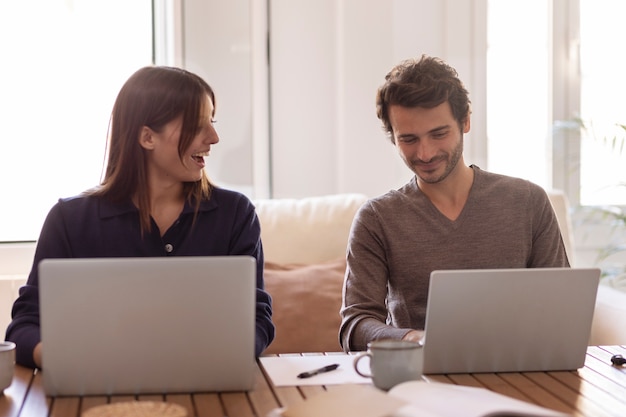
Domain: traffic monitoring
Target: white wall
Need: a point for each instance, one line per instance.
(217, 45)
(326, 60)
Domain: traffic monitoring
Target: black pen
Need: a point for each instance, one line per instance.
(327, 368)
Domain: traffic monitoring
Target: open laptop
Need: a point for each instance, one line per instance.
(147, 325)
(509, 320)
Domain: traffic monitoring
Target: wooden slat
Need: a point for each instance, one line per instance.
(262, 397)
(91, 401)
(122, 398)
(288, 396)
(184, 400)
(334, 387)
(207, 405)
(309, 391)
(236, 404)
(587, 390)
(464, 379)
(536, 393)
(566, 394)
(65, 407)
(495, 383)
(151, 397)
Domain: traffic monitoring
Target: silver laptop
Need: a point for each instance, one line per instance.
(147, 325)
(509, 320)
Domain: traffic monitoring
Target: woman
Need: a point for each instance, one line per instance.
(155, 198)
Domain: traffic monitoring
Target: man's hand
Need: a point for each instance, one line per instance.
(414, 336)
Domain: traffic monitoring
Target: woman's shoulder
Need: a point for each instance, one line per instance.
(224, 197)
(227, 193)
(71, 209)
(88, 204)
(75, 201)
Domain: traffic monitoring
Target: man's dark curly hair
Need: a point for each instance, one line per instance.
(427, 82)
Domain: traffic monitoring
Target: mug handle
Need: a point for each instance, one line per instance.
(356, 364)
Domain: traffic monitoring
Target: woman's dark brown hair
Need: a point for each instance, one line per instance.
(153, 96)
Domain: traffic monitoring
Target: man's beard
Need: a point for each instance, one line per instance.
(451, 162)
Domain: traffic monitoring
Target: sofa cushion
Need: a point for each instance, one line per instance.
(307, 230)
(306, 300)
(608, 327)
(560, 205)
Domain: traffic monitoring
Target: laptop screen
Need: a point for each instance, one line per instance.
(147, 325)
(509, 320)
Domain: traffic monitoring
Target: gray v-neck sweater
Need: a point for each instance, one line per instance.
(397, 239)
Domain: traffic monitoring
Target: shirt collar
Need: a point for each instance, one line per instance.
(111, 209)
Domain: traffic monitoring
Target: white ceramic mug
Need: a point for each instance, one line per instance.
(391, 362)
(7, 364)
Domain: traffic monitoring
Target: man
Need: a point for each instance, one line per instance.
(449, 216)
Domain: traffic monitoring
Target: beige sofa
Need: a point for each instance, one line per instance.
(304, 242)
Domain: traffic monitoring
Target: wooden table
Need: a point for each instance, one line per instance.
(598, 389)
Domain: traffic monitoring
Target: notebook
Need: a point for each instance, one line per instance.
(509, 320)
(147, 325)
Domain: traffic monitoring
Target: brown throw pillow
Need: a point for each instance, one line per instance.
(306, 303)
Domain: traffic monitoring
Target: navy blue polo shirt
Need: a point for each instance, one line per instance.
(91, 227)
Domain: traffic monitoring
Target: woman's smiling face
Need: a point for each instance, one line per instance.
(165, 165)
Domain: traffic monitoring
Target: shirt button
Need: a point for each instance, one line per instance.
(169, 248)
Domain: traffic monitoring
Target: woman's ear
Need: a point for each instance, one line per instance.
(146, 138)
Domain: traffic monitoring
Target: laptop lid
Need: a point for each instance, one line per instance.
(147, 325)
(509, 320)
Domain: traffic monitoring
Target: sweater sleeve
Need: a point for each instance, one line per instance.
(24, 328)
(247, 240)
(364, 310)
(548, 249)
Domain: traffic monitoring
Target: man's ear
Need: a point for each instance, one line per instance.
(146, 138)
(466, 124)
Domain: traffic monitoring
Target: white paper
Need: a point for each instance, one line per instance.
(284, 370)
(447, 400)
(414, 399)
(347, 401)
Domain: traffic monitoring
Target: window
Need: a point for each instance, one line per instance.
(63, 64)
(518, 106)
(603, 102)
(523, 63)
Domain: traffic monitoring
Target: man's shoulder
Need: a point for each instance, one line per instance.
(508, 191)
(409, 191)
(492, 180)
(407, 197)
